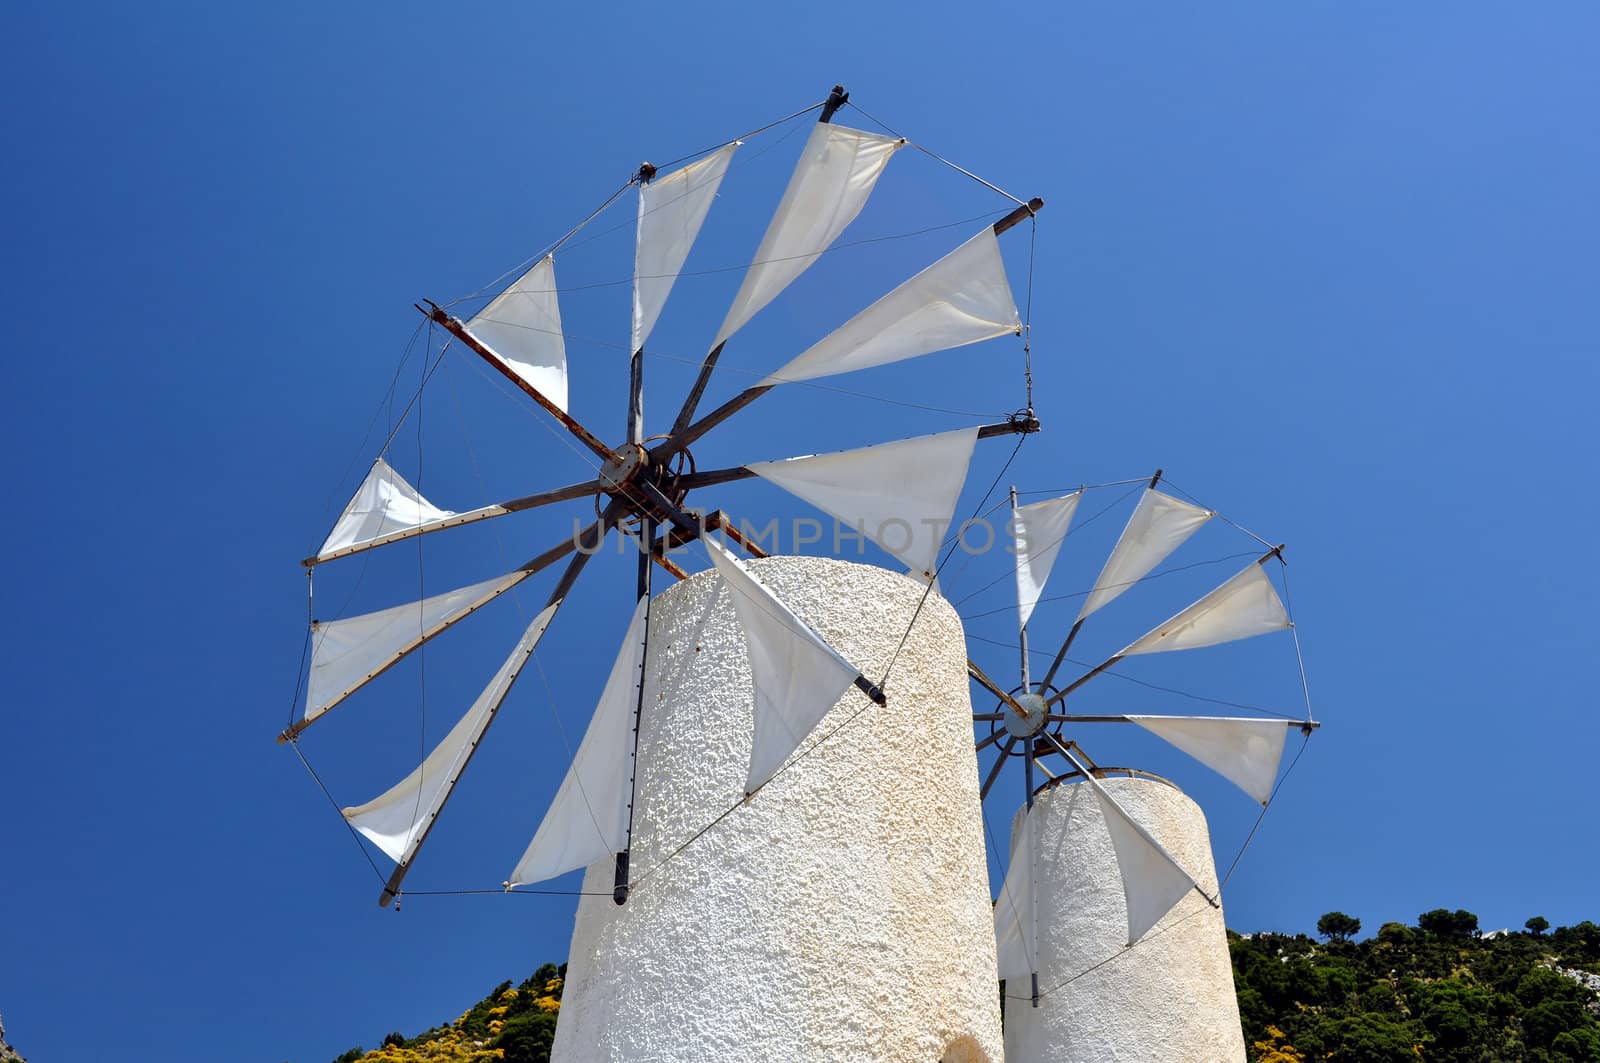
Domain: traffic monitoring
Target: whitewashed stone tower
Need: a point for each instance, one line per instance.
(841, 913)
(1171, 996)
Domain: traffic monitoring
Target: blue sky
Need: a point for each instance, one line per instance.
(1329, 264)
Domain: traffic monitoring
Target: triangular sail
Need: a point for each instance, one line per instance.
(1037, 532)
(830, 185)
(671, 210)
(588, 819)
(1245, 606)
(797, 676)
(345, 654)
(383, 505)
(397, 820)
(962, 298)
(901, 495)
(523, 327)
(1152, 881)
(1244, 750)
(1015, 924)
(1158, 526)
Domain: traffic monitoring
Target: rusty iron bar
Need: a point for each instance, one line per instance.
(456, 328)
(994, 772)
(1012, 220)
(994, 688)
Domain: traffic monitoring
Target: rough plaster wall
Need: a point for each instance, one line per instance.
(843, 912)
(1171, 996)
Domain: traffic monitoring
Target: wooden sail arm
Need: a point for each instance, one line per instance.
(836, 99)
(1056, 699)
(1020, 425)
(989, 684)
(1305, 726)
(686, 435)
(994, 772)
(458, 329)
(585, 544)
(471, 516)
(1061, 654)
(588, 540)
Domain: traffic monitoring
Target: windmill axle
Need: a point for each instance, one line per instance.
(1031, 721)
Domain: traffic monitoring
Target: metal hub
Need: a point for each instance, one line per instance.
(1026, 726)
(623, 468)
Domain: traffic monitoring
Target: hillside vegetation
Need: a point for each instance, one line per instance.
(1439, 990)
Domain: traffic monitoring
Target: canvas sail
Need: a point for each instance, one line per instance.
(522, 326)
(1159, 525)
(829, 186)
(1245, 606)
(397, 820)
(962, 298)
(345, 654)
(797, 677)
(1015, 922)
(383, 505)
(671, 210)
(588, 819)
(1152, 881)
(1038, 531)
(1244, 750)
(901, 495)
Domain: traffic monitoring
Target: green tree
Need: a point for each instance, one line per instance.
(1336, 926)
(1394, 934)
(1443, 923)
(1537, 925)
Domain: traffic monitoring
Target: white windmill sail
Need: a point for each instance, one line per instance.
(1244, 750)
(397, 820)
(830, 185)
(588, 819)
(523, 327)
(901, 495)
(1158, 526)
(345, 654)
(797, 676)
(1015, 927)
(671, 211)
(383, 505)
(962, 298)
(1152, 881)
(1038, 531)
(1245, 606)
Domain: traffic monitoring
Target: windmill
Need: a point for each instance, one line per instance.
(1027, 725)
(642, 489)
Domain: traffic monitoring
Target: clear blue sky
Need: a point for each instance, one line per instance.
(1330, 264)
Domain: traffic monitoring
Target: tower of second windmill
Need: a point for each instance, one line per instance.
(842, 911)
(1171, 995)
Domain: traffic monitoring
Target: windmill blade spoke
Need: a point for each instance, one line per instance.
(377, 645)
(1078, 682)
(988, 717)
(994, 772)
(456, 328)
(379, 820)
(992, 687)
(587, 820)
(991, 740)
(691, 402)
(1061, 654)
(471, 516)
